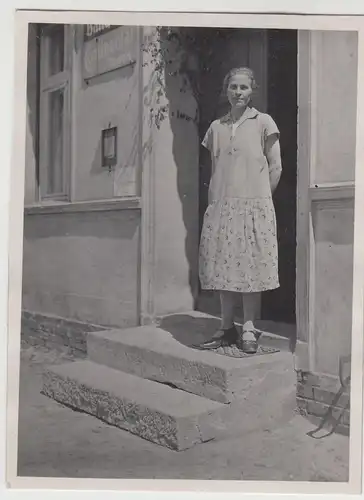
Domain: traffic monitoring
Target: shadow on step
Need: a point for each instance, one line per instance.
(195, 328)
(189, 330)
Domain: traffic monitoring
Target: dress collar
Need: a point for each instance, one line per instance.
(250, 112)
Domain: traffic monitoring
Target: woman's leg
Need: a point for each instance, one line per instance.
(228, 304)
(227, 333)
(247, 340)
(249, 308)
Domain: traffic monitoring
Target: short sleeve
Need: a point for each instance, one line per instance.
(269, 127)
(207, 140)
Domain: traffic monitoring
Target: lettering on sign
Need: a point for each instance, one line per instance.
(109, 48)
(93, 30)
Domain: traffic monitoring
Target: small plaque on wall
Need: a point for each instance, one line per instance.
(109, 147)
(107, 48)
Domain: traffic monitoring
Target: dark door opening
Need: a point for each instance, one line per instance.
(220, 50)
(280, 305)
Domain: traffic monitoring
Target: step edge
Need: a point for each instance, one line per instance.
(212, 405)
(209, 359)
(179, 443)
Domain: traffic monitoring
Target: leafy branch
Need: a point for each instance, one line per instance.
(173, 54)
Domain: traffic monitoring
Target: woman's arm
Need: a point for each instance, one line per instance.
(273, 155)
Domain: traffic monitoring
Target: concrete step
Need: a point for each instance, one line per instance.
(195, 326)
(153, 411)
(153, 353)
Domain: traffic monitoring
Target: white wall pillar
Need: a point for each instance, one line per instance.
(325, 209)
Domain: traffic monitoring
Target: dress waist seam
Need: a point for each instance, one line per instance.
(248, 198)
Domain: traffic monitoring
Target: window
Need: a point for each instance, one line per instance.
(54, 112)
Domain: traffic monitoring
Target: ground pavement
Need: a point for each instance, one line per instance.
(269, 443)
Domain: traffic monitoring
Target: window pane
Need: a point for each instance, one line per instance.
(56, 142)
(56, 49)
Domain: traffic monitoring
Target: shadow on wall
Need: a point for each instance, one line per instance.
(182, 115)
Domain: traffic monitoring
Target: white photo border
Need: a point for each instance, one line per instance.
(285, 21)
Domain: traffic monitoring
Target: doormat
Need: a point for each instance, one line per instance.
(234, 352)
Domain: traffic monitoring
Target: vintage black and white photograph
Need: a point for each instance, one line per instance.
(187, 260)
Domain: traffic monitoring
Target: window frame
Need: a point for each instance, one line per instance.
(48, 84)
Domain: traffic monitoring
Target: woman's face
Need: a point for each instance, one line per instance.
(239, 90)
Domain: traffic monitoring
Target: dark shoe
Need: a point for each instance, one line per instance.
(220, 339)
(248, 346)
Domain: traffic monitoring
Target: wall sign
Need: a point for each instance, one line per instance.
(93, 30)
(107, 48)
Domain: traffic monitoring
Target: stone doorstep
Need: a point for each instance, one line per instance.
(150, 410)
(267, 338)
(45, 328)
(152, 353)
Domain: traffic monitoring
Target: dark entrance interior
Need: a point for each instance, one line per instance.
(222, 49)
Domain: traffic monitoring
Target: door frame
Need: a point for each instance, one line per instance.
(306, 128)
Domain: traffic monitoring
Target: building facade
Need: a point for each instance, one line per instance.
(115, 178)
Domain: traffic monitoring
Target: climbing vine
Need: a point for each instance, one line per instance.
(172, 52)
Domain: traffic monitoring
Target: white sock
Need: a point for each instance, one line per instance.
(248, 331)
(248, 326)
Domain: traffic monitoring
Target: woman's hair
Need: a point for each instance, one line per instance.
(237, 71)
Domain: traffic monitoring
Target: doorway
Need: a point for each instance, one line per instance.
(272, 54)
